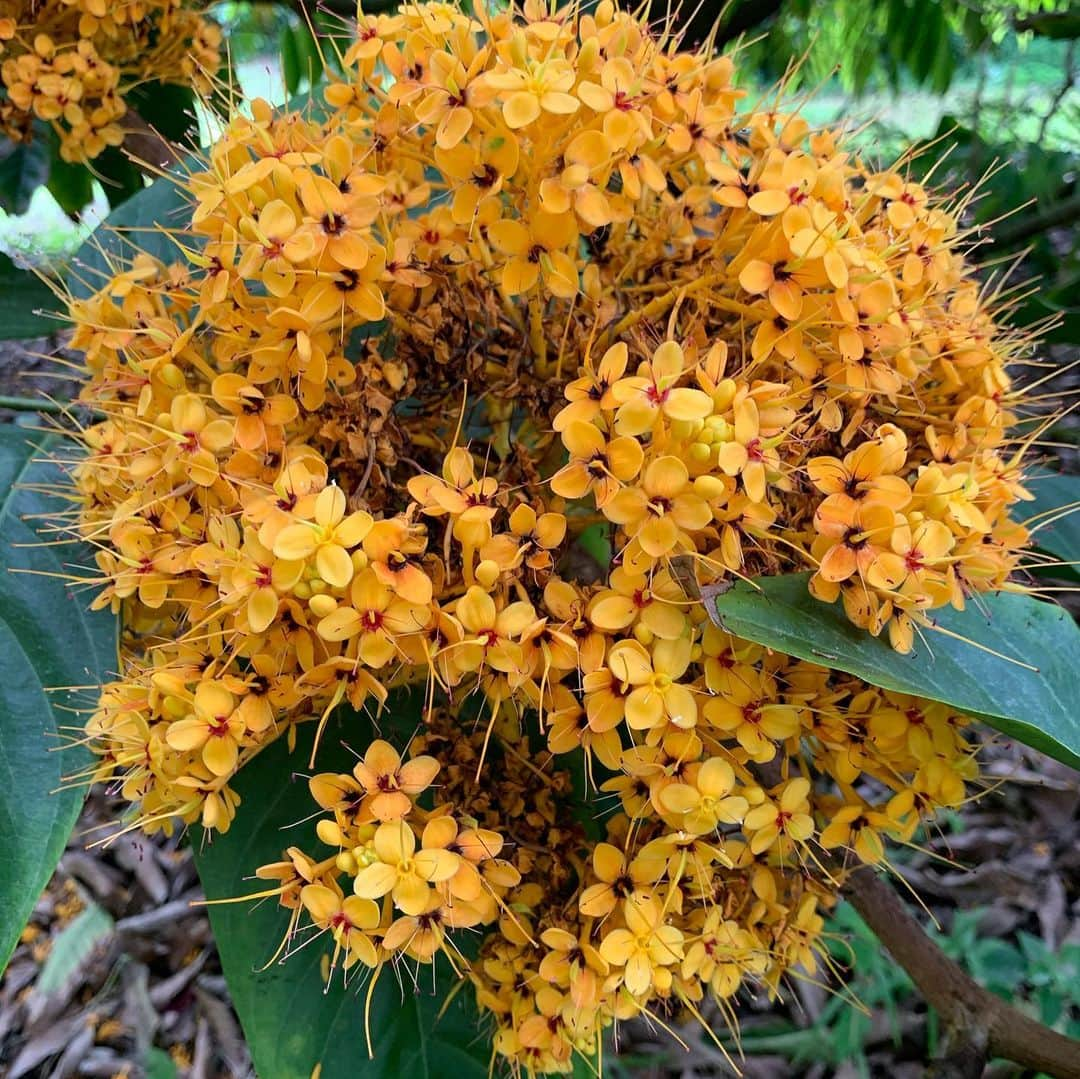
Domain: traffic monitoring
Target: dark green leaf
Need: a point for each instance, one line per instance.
(48, 640)
(24, 167)
(120, 176)
(141, 224)
(159, 1065)
(1054, 516)
(169, 108)
(1036, 706)
(311, 61)
(291, 1023)
(290, 60)
(301, 61)
(72, 185)
(1058, 25)
(24, 301)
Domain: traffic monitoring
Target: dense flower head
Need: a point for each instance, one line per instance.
(70, 63)
(532, 275)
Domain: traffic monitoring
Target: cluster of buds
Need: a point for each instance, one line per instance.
(532, 276)
(69, 64)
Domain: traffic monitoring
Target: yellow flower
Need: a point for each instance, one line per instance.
(531, 88)
(858, 828)
(653, 392)
(197, 441)
(645, 948)
(214, 728)
(596, 464)
(538, 247)
(392, 786)
(347, 919)
(660, 511)
(706, 801)
(656, 695)
(329, 537)
(786, 818)
(376, 617)
(402, 871)
(749, 712)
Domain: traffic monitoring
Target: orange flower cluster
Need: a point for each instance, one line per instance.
(531, 278)
(69, 64)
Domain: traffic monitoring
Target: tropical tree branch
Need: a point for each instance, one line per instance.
(1020, 229)
(978, 1025)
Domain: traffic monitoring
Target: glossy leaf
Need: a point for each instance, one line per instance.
(1030, 696)
(168, 107)
(24, 167)
(25, 303)
(1054, 516)
(71, 184)
(48, 640)
(301, 61)
(291, 1022)
(140, 224)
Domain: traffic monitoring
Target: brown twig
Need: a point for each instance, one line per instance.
(978, 1025)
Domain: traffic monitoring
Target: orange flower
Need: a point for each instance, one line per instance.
(659, 512)
(390, 785)
(653, 392)
(596, 464)
(213, 727)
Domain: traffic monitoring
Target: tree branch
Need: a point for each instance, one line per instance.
(979, 1025)
(1020, 229)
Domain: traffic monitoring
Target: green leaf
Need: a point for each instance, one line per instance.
(1058, 25)
(24, 299)
(168, 107)
(300, 58)
(1036, 706)
(595, 541)
(47, 640)
(24, 167)
(290, 60)
(121, 178)
(1054, 517)
(72, 947)
(71, 184)
(159, 1065)
(141, 224)
(291, 1022)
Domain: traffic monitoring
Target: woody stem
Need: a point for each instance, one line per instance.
(978, 1024)
(661, 304)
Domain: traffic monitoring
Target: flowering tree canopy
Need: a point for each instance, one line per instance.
(455, 398)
